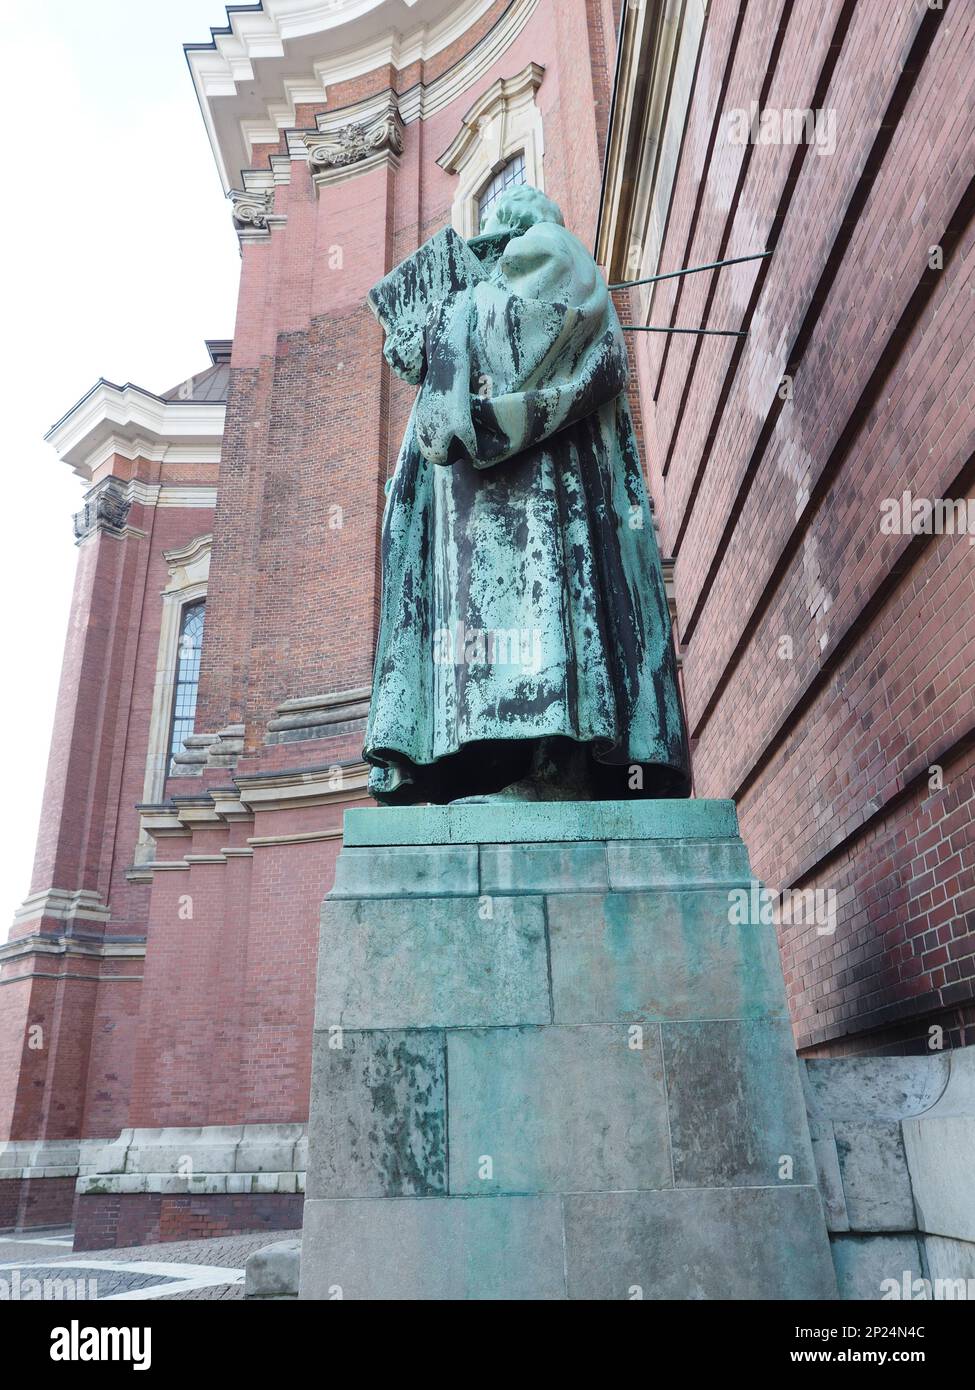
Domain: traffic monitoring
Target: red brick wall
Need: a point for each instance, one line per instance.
(36, 1202)
(124, 1219)
(78, 1081)
(772, 506)
(228, 998)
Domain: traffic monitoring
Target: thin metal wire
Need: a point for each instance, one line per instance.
(652, 328)
(690, 270)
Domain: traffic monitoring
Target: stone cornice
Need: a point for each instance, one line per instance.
(184, 556)
(41, 944)
(131, 421)
(337, 784)
(63, 904)
(254, 74)
(317, 716)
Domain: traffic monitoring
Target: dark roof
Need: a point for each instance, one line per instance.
(210, 385)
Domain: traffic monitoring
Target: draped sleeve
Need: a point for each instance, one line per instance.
(520, 356)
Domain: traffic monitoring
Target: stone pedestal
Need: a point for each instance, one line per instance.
(550, 1062)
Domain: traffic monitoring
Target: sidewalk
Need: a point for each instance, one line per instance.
(40, 1266)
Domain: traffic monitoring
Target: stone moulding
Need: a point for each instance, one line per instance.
(259, 1158)
(235, 127)
(502, 122)
(39, 1158)
(319, 716)
(542, 821)
(337, 783)
(201, 751)
(65, 904)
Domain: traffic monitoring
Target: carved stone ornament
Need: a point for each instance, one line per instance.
(352, 143)
(251, 209)
(104, 510)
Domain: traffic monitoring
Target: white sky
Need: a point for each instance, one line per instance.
(119, 258)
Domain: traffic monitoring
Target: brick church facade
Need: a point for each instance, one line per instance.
(156, 991)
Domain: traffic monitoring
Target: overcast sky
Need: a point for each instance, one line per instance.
(119, 258)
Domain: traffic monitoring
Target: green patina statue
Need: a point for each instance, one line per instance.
(524, 645)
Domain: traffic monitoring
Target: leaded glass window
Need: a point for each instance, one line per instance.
(187, 676)
(513, 172)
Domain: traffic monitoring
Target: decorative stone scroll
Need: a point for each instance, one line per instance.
(354, 147)
(252, 211)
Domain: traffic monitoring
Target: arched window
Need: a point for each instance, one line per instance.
(187, 675)
(512, 172)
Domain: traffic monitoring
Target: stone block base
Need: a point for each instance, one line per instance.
(116, 1220)
(553, 1060)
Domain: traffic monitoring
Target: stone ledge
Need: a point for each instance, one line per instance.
(39, 1158)
(211, 1151)
(509, 823)
(530, 868)
(319, 716)
(199, 1184)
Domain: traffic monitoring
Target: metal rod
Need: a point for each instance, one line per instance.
(691, 270)
(652, 328)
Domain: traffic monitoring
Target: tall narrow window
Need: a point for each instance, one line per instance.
(187, 675)
(513, 172)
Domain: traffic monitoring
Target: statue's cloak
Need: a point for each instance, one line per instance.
(522, 590)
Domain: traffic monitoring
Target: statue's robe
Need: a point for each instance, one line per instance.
(523, 597)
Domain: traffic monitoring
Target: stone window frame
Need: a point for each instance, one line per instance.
(189, 574)
(504, 121)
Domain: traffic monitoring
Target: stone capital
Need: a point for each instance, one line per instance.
(253, 211)
(342, 148)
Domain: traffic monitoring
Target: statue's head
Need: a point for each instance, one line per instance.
(519, 208)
